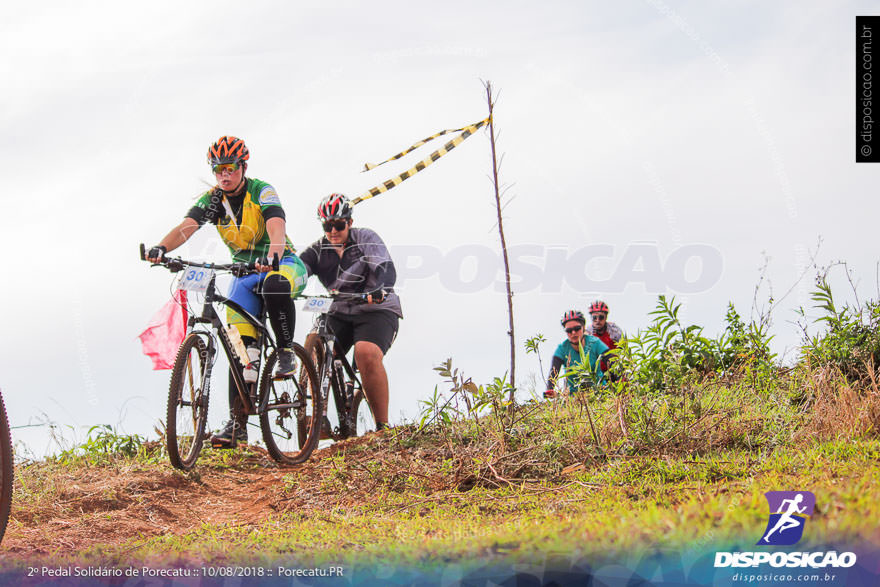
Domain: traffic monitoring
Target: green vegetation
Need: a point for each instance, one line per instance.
(105, 444)
(677, 453)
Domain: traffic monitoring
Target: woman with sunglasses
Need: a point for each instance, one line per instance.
(251, 221)
(568, 355)
(355, 260)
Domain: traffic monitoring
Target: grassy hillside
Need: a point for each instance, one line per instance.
(458, 493)
(663, 468)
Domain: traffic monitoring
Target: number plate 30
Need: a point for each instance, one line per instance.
(321, 305)
(195, 279)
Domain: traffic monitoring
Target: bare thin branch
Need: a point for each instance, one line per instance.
(495, 167)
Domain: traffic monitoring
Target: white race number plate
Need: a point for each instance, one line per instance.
(321, 305)
(195, 279)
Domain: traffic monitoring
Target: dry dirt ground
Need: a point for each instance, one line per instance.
(114, 505)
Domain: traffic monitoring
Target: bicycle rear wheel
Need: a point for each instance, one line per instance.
(291, 421)
(6, 471)
(362, 414)
(188, 397)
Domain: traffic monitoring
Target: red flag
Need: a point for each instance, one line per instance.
(165, 332)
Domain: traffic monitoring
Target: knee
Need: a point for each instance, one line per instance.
(276, 284)
(367, 355)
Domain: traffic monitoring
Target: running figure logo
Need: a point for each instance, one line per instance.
(789, 511)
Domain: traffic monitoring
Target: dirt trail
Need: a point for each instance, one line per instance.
(106, 506)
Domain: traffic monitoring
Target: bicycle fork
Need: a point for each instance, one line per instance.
(344, 400)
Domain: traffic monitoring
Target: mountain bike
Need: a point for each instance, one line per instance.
(6, 471)
(354, 415)
(285, 405)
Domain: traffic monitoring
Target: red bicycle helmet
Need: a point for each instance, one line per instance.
(573, 315)
(227, 149)
(334, 206)
(598, 306)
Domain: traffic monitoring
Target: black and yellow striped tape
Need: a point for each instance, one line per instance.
(398, 179)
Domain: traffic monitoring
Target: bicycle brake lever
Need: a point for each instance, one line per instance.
(241, 269)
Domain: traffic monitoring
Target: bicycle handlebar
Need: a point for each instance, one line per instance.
(339, 295)
(176, 264)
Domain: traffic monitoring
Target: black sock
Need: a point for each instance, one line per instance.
(279, 306)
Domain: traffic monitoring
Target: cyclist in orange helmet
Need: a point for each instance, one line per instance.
(252, 223)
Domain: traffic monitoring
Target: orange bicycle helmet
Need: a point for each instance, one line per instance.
(227, 149)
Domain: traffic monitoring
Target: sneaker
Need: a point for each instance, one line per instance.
(286, 363)
(223, 439)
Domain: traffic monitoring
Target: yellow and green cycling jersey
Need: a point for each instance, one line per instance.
(241, 220)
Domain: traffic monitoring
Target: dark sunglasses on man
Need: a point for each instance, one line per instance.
(339, 225)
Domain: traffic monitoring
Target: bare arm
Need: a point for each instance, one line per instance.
(277, 229)
(178, 235)
(552, 377)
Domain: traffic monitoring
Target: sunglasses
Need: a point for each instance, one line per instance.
(224, 167)
(339, 225)
(598, 317)
(573, 329)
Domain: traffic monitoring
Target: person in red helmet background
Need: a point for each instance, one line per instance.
(608, 332)
(568, 355)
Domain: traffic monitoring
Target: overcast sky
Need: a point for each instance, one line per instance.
(650, 148)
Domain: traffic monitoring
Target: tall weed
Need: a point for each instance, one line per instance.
(850, 340)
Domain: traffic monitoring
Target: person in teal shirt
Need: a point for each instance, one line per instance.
(571, 352)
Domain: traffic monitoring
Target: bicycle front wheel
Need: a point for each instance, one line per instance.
(188, 402)
(6, 472)
(292, 410)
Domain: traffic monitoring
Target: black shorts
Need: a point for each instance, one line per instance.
(379, 327)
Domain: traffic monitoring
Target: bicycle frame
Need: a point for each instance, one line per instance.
(285, 409)
(209, 316)
(331, 374)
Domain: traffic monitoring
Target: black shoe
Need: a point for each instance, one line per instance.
(286, 364)
(223, 439)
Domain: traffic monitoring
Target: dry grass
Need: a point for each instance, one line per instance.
(839, 408)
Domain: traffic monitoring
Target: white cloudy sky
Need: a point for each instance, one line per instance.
(637, 131)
